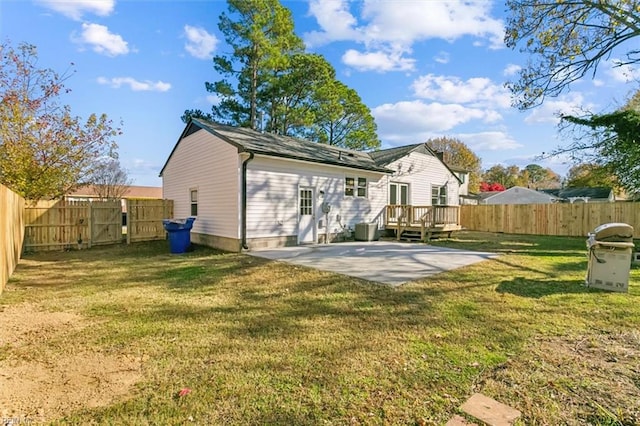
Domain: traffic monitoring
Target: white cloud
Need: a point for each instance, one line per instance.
(411, 122)
(135, 85)
(396, 26)
(621, 73)
(377, 61)
(200, 44)
(336, 21)
(489, 141)
(101, 40)
(214, 99)
(475, 91)
(75, 9)
(511, 70)
(411, 21)
(549, 111)
(442, 58)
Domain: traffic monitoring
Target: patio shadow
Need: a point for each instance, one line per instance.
(521, 286)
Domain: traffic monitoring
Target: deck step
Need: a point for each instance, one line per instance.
(411, 236)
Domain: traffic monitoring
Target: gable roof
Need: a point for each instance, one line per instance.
(594, 193)
(517, 192)
(269, 144)
(384, 157)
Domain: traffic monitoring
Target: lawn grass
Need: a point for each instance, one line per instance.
(262, 342)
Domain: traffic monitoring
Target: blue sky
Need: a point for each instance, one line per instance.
(425, 69)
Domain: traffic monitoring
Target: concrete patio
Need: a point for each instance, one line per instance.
(386, 262)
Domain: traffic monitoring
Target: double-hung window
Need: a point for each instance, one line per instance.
(193, 193)
(438, 195)
(355, 187)
(362, 187)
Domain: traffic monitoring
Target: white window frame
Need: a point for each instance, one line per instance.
(193, 201)
(440, 197)
(355, 187)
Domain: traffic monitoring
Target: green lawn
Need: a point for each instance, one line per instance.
(262, 342)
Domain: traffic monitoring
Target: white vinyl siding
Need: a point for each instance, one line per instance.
(272, 196)
(421, 172)
(203, 162)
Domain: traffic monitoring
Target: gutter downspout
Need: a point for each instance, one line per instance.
(244, 200)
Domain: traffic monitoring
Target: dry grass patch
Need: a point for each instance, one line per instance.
(261, 342)
(584, 379)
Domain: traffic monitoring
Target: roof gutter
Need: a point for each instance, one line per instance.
(244, 200)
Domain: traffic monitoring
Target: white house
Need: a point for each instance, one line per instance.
(249, 189)
(419, 176)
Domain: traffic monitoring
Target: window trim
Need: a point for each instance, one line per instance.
(354, 186)
(441, 196)
(193, 203)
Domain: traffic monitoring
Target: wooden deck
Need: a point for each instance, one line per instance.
(425, 220)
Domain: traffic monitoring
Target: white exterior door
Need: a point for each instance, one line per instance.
(306, 216)
(398, 194)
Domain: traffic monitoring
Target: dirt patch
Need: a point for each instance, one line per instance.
(589, 379)
(25, 324)
(41, 380)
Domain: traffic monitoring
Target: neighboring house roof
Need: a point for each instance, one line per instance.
(487, 194)
(133, 191)
(592, 193)
(385, 157)
(248, 140)
(515, 195)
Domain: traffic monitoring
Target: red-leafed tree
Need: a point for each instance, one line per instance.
(45, 151)
(490, 187)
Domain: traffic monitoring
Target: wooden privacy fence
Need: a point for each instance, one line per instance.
(144, 219)
(65, 224)
(576, 219)
(11, 232)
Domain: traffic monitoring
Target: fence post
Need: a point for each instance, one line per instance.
(90, 225)
(129, 227)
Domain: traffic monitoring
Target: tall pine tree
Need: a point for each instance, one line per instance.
(270, 83)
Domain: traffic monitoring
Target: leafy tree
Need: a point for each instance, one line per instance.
(457, 153)
(196, 113)
(609, 140)
(341, 119)
(291, 95)
(565, 40)
(260, 32)
(589, 175)
(270, 79)
(506, 176)
(109, 180)
(538, 177)
(45, 151)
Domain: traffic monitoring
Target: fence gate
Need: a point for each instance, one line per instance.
(106, 222)
(64, 224)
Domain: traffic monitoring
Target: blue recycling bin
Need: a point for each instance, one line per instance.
(179, 231)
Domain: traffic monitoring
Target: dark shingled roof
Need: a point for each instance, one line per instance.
(248, 140)
(594, 193)
(388, 156)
